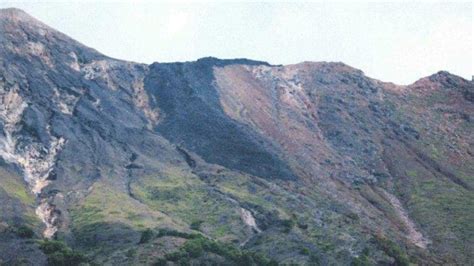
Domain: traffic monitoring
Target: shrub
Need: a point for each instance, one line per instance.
(305, 251)
(66, 258)
(131, 253)
(315, 259)
(61, 255)
(194, 247)
(160, 262)
(363, 259)
(24, 231)
(287, 225)
(302, 225)
(353, 216)
(196, 225)
(146, 236)
(175, 256)
(170, 232)
(197, 246)
(394, 251)
(51, 246)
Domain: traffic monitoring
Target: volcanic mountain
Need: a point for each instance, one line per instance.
(233, 162)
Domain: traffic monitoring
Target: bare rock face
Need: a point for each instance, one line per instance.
(214, 160)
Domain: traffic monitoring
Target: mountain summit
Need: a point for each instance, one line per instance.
(236, 162)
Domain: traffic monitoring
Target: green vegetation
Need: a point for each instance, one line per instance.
(363, 259)
(443, 209)
(170, 232)
(196, 225)
(14, 187)
(302, 225)
(198, 246)
(192, 202)
(412, 174)
(18, 204)
(146, 236)
(24, 231)
(105, 204)
(61, 255)
(287, 224)
(394, 251)
(305, 251)
(131, 253)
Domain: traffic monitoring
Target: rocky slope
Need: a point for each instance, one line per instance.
(226, 161)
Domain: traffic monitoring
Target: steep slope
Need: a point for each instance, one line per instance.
(214, 160)
(410, 145)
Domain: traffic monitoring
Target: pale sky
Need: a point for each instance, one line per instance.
(397, 42)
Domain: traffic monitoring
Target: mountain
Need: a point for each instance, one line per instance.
(234, 162)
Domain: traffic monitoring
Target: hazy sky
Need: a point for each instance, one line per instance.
(398, 42)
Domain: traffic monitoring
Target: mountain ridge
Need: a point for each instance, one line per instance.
(15, 13)
(305, 163)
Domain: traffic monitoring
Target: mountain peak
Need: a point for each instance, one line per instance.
(15, 22)
(15, 14)
(443, 74)
(12, 11)
(22, 34)
(441, 78)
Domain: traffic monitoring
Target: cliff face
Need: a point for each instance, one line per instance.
(305, 163)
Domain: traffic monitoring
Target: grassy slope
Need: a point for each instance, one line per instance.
(20, 207)
(321, 233)
(441, 207)
(16, 212)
